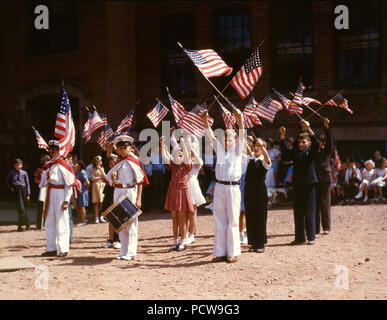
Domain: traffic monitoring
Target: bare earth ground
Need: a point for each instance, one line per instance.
(358, 241)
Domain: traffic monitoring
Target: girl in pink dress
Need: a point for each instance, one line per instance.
(178, 199)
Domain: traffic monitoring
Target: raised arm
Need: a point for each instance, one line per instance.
(164, 152)
(287, 153)
(241, 125)
(207, 127)
(186, 153)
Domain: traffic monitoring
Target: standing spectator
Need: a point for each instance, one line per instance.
(275, 156)
(377, 156)
(42, 191)
(147, 192)
(83, 196)
(157, 179)
(352, 180)
(98, 185)
(284, 164)
(379, 180)
(335, 192)
(69, 160)
(256, 199)
(304, 178)
(19, 184)
(323, 186)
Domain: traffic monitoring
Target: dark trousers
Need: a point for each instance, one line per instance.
(256, 216)
(304, 206)
(39, 213)
(323, 206)
(20, 195)
(351, 189)
(157, 185)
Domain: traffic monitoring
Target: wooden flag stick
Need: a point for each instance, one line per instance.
(311, 110)
(62, 83)
(324, 105)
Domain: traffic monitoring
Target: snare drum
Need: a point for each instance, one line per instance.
(121, 213)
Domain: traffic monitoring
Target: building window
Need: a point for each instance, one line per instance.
(177, 71)
(292, 43)
(61, 37)
(358, 48)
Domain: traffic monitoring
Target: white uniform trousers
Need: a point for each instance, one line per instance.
(128, 235)
(56, 225)
(226, 209)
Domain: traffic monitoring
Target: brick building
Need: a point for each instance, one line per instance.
(114, 53)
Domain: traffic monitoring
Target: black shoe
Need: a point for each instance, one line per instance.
(49, 254)
(19, 228)
(28, 227)
(296, 243)
(62, 254)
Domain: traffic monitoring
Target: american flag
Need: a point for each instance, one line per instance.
(250, 117)
(307, 101)
(41, 143)
(295, 106)
(246, 78)
(67, 142)
(208, 62)
(93, 123)
(157, 113)
(105, 135)
(337, 159)
(228, 117)
(285, 101)
(177, 109)
(339, 101)
(268, 108)
(126, 122)
(192, 121)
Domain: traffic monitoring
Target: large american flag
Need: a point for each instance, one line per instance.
(67, 142)
(177, 109)
(93, 123)
(208, 62)
(249, 74)
(285, 101)
(228, 117)
(126, 122)
(250, 117)
(339, 101)
(42, 144)
(192, 121)
(268, 108)
(157, 113)
(295, 106)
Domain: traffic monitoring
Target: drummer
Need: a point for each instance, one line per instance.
(127, 177)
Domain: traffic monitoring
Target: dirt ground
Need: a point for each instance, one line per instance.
(357, 243)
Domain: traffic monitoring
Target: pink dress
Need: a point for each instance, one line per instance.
(178, 197)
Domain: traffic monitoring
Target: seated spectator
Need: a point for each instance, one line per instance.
(367, 176)
(379, 179)
(352, 180)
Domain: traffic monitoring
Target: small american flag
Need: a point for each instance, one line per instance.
(339, 101)
(208, 62)
(337, 159)
(307, 101)
(105, 135)
(192, 121)
(41, 143)
(249, 113)
(295, 106)
(268, 108)
(285, 101)
(228, 117)
(246, 78)
(126, 122)
(93, 123)
(157, 113)
(177, 109)
(67, 142)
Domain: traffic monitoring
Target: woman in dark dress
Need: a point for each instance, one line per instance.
(256, 196)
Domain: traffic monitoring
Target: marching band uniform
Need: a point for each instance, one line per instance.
(59, 189)
(130, 174)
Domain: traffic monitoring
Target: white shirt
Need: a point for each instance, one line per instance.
(59, 176)
(348, 174)
(273, 153)
(380, 173)
(129, 174)
(228, 163)
(368, 175)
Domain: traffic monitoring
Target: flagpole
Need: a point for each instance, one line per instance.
(217, 90)
(324, 105)
(209, 107)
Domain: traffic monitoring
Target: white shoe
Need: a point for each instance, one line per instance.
(209, 207)
(127, 258)
(96, 220)
(81, 224)
(102, 219)
(108, 245)
(189, 239)
(117, 245)
(245, 241)
(311, 243)
(365, 198)
(119, 257)
(359, 195)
